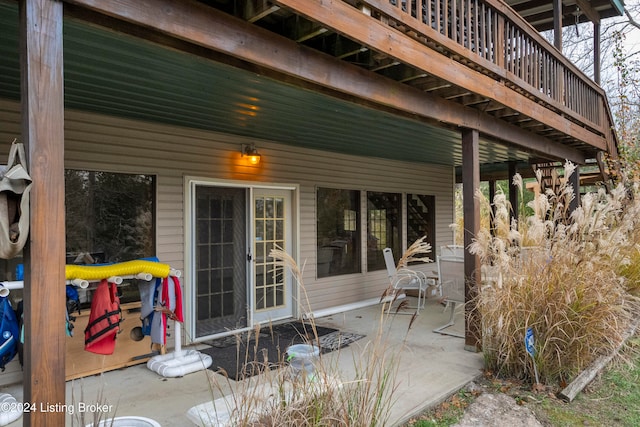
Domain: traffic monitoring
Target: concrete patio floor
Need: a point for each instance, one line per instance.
(431, 367)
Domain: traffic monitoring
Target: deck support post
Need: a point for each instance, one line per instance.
(492, 196)
(42, 112)
(596, 52)
(471, 210)
(557, 24)
(574, 179)
(513, 190)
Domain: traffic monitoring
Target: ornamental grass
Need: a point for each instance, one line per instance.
(570, 276)
(277, 397)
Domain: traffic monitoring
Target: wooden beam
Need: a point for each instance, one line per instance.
(311, 34)
(574, 179)
(258, 9)
(302, 30)
(497, 69)
(557, 24)
(585, 377)
(513, 190)
(43, 133)
(589, 12)
(345, 19)
(492, 196)
(471, 210)
(209, 28)
(384, 64)
(348, 53)
(596, 53)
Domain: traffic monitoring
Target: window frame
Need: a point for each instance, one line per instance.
(331, 250)
(96, 254)
(363, 222)
(393, 200)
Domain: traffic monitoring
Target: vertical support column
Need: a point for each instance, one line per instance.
(558, 70)
(513, 191)
(557, 24)
(492, 196)
(471, 209)
(43, 133)
(596, 52)
(575, 183)
(500, 48)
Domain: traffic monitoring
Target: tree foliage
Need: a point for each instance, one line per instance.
(620, 74)
(109, 214)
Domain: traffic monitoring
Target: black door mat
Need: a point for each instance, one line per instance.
(241, 356)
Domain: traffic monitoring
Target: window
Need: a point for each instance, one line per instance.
(338, 232)
(109, 215)
(109, 218)
(339, 221)
(421, 220)
(384, 227)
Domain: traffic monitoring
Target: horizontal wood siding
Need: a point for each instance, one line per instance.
(117, 145)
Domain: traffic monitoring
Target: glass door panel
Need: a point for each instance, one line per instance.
(220, 259)
(272, 288)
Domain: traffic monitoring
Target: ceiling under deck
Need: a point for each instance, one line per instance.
(292, 25)
(540, 13)
(116, 74)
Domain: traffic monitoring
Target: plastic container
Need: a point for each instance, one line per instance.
(302, 358)
(128, 421)
(11, 409)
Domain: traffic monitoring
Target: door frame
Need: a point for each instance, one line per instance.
(265, 316)
(190, 183)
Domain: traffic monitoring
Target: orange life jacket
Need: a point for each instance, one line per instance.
(104, 320)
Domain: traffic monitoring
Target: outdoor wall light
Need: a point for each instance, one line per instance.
(249, 151)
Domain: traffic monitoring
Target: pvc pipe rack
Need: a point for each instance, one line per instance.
(176, 364)
(7, 286)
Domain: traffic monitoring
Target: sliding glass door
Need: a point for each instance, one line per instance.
(220, 259)
(234, 282)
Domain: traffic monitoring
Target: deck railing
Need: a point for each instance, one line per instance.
(500, 42)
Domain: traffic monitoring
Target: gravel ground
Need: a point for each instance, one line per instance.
(497, 410)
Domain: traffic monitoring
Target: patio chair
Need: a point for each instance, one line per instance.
(451, 280)
(452, 251)
(404, 279)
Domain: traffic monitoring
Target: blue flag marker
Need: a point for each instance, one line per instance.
(528, 345)
(528, 342)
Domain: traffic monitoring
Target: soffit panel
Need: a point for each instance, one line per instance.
(539, 13)
(119, 75)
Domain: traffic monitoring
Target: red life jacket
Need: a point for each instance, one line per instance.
(170, 304)
(104, 320)
(174, 304)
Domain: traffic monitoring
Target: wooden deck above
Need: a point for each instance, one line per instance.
(433, 66)
(478, 54)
